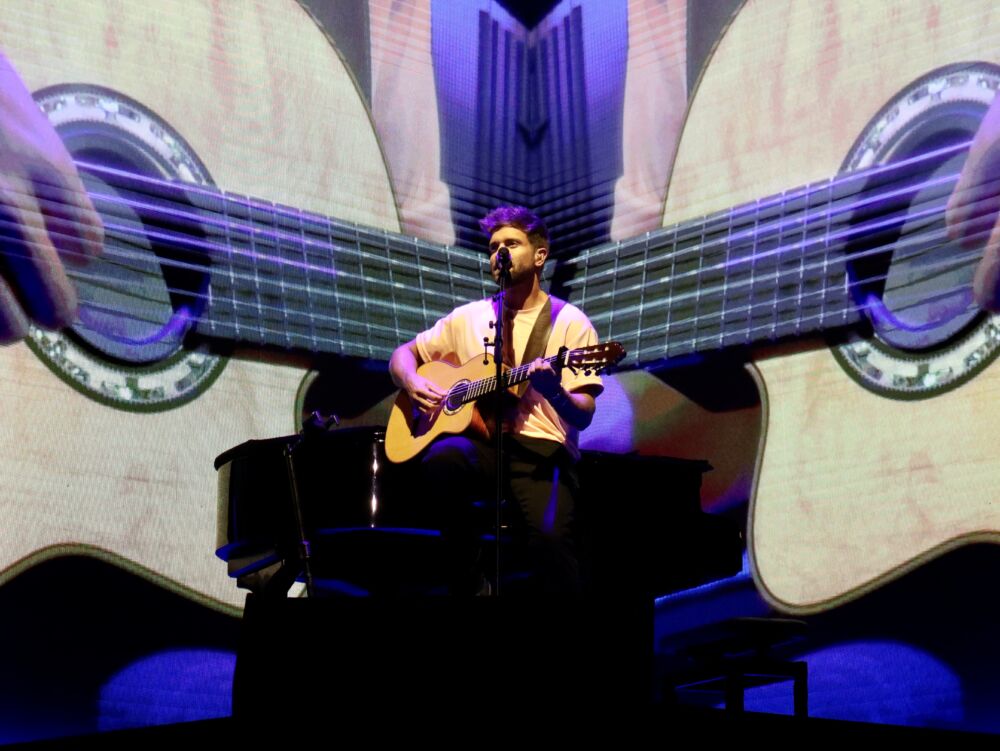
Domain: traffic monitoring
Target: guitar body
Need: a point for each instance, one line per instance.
(852, 488)
(409, 431)
(267, 104)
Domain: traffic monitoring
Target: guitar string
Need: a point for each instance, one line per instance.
(830, 313)
(862, 228)
(680, 322)
(697, 248)
(125, 233)
(856, 230)
(751, 259)
(693, 343)
(111, 281)
(755, 231)
(254, 236)
(769, 278)
(774, 280)
(275, 212)
(706, 294)
(254, 232)
(472, 390)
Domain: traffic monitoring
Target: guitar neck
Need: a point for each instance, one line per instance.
(307, 282)
(512, 377)
(772, 269)
(765, 271)
(280, 277)
(302, 281)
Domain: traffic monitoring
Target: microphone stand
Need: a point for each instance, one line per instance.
(315, 423)
(500, 333)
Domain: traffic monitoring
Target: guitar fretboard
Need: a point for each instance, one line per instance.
(285, 278)
(302, 281)
(760, 272)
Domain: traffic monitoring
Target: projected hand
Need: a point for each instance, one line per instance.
(46, 216)
(972, 214)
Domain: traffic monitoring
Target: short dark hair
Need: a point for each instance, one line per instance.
(520, 218)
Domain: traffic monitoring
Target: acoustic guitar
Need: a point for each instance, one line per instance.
(879, 427)
(410, 431)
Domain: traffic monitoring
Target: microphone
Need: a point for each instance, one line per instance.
(503, 260)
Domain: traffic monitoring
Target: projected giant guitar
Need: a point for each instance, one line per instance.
(880, 452)
(873, 457)
(109, 430)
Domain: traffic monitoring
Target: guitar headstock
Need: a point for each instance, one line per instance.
(595, 358)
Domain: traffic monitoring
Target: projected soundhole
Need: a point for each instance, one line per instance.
(139, 298)
(914, 284)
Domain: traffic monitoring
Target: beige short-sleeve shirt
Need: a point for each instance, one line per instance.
(458, 338)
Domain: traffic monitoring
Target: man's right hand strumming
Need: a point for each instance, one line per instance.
(424, 393)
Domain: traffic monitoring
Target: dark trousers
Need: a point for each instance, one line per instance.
(541, 486)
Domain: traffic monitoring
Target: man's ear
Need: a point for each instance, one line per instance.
(540, 255)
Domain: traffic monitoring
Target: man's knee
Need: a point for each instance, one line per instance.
(454, 452)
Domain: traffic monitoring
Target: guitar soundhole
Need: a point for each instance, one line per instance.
(919, 293)
(138, 300)
(456, 397)
(131, 295)
(926, 332)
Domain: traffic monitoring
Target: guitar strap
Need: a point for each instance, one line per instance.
(537, 341)
(542, 330)
(540, 334)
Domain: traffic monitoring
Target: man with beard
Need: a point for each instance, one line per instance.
(540, 428)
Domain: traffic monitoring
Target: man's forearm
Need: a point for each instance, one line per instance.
(575, 407)
(402, 364)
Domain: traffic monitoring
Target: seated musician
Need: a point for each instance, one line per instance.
(541, 427)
